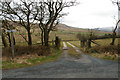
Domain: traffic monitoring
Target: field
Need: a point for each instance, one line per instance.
(105, 42)
(64, 32)
(104, 51)
(101, 42)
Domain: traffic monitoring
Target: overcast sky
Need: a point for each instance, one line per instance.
(91, 14)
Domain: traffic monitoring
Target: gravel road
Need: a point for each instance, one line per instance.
(68, 67)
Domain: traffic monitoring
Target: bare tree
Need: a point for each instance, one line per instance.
(87, 39)
(3, 38)
(82, 38)
(116, 27)
(6, 25)
(91, 36)
(19, 13)
(114, 33)
(48, 14)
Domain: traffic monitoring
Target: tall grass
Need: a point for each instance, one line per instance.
(21, 50)
(24, 61)
(104, 51)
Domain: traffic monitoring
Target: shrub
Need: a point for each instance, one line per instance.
(21, 50)
(109, 48)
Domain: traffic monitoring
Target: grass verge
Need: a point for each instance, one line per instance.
(32, 61)
(104, 51)
(105, 56)
(72, 52)
(76, 43)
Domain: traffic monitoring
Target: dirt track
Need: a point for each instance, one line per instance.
(68, 67)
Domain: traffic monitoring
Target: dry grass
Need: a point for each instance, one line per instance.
(105, 51)
(27, 50)
(73, 52)
(64, 34)
(99, 49)
(27, 60)
(76, 43)
(105, 42)
(107, 55)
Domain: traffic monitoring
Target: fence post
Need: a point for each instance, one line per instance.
(57, 42)
(12, 45)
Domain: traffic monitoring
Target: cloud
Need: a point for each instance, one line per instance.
(91, 13)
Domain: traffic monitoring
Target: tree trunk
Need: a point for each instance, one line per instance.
(28, 29)
(29, 38)
(9, 39)
(4, 40)
(89, 43)
(119, 48)
(14, 42)
(113, 41)
(114, 33)
(46, 38)
(57, 42)
(81, 43)
(113, 38)
(42, 39)
(85, 43)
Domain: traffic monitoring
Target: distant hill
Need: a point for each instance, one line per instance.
(64, 27)
(64, 32)
(70, 28)
(107, 29)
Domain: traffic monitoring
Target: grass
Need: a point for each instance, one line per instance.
(32, 61)
(65, 34)
(105, 56)
(22, 50)
(101, 50)
(11, 65)
(76, 43)
(104, 42)
(52, 57)
(72, 52)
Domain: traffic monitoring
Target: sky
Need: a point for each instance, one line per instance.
(92, 14)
